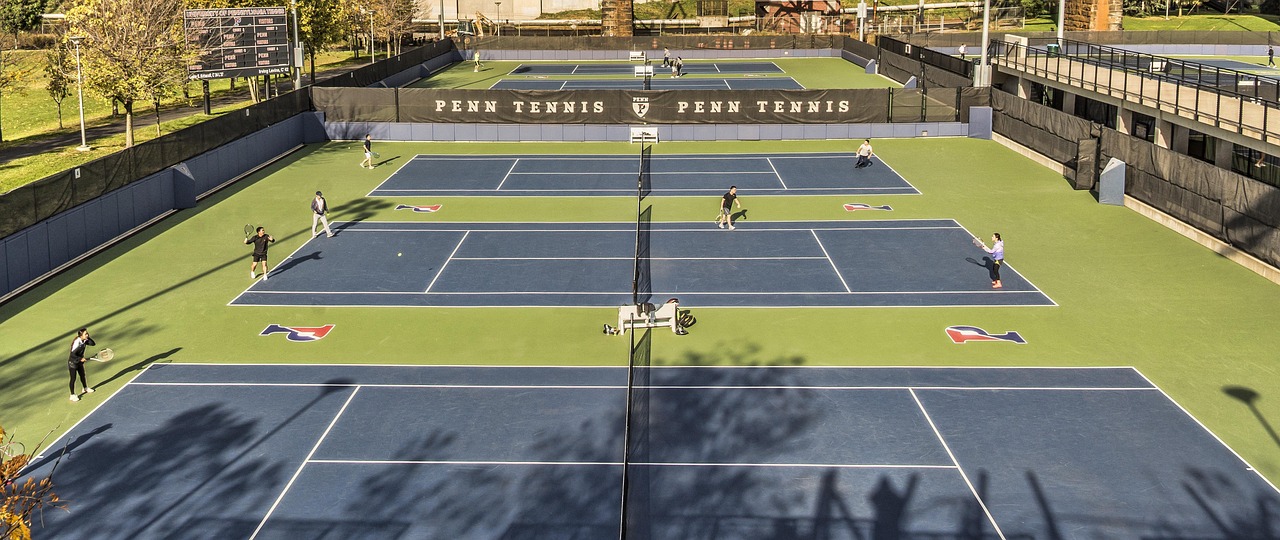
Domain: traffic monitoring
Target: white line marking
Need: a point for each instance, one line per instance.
(55, 447)
(652, 387)
(446, 262)
(392, 192)
(393, 174)
(775, 173)
(706, 293)
(633, 173)
(508, 175)
(951, 455)
(304, 464)
(713, 259)
(618, 463)
(442, 227)
(833, 263)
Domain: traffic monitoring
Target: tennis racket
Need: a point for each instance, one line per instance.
(978, 243)
(104, 355)
(248, 231)
(376, 155)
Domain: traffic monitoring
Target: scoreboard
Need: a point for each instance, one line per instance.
(237, 42)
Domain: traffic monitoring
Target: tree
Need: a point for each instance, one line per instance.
(60, 68)
(20, 16)
(20, 501)
(393, 18)
(322, 23)
(136, 49)
(10, 78)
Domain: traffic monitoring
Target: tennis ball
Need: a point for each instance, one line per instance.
(399, 254)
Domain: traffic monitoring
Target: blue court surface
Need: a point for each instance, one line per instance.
(702, 68)
(616, 175)
(655, 83)
(345, 451)
(907, 263)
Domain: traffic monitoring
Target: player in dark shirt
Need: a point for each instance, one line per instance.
(726, 208)
(260, 242)
(75, 363)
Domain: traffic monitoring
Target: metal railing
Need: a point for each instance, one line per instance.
(1230, 99)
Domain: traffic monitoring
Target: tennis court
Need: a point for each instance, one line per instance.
(830, 173)
(691, 68)
(655, 83)
(906, 263)
(309, 451)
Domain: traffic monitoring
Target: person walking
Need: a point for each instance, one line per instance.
(260, 242)
(962, 51)
(368, 151)
(320, 207)
(997, 259)
(727, 201)
(1271, 56)
(666, 57)
(864, 154)
(75, 363)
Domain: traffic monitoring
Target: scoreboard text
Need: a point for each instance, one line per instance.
(239, 42)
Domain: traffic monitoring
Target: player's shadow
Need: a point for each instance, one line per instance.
(162, 357)
(295, 261)
(387, 161)
(740, 214)
(1249, 397)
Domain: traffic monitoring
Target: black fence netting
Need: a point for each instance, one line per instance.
(900, 61)
(373, 73)
(897, 67)
(861, 49)
(1232, 207)
(427, 105)
(48, 196)
(641, 43)
(1046, 130)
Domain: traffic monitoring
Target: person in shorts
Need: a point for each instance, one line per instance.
(75, 363)
(726, 208)
(368, 152)
(260, 241)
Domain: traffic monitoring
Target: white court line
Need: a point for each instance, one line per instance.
(840, 190)
(702, 229)
(714, 259)
(393, 174)
(632, 173)
(775, 173)
(628, 158)
(304, 464)
(654, 387)
(1184, 410)
(964, 476)
(833, 263)
(446, 262)
(508, 175)
(658, 368)
(663, 293)
(282, 261)
(619, 463)
(575, 69)
(55, 447)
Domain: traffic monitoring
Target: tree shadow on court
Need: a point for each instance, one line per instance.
(359, 210)
(205, 471)
(136, 366)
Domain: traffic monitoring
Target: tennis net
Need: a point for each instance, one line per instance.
(641, 283)
(635, 434)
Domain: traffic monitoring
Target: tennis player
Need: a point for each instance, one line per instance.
(864, 154)
(368, 151)
(726, 208)
(997, 259)
(260, 242)
(75, 363)
(319, 207)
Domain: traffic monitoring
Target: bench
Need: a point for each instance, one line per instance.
(632, 317)
(638, 55)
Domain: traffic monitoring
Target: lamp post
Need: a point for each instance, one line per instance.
(84, 143)
(297, 48)
(497, 8)
(369, 12)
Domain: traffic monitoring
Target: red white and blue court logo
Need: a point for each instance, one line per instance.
(965, 334)
(420, 209)
(854, 207)
(299, 334)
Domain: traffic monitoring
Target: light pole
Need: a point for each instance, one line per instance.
(497, 8)
(84, 144)
(297, 48)
(372, 58)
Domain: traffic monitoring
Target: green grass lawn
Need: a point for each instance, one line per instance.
(812, 73)
(1207, 21)
(1130, 292)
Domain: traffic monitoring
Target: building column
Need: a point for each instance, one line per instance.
(1164, 133)
(1024, 88)
(1068, 102)
(1181, 136)
(1124, 121)
(1222, 154)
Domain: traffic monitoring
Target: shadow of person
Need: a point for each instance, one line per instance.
(891, 508)
(70, 446)
(296, 261)
(740, 214)
(140, 364)
(386, 161)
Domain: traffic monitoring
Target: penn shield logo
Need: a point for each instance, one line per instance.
(640, 106)
(420, 209)
(965, 334)
(299, 334)
(854, 207)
